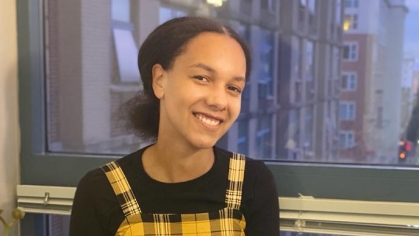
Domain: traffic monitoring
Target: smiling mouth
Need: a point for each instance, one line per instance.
(207, 120)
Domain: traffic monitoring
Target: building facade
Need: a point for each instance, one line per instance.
(371, 77)
(292, 94)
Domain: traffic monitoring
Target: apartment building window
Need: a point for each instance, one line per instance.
(295, 58)
(309, 69)
(296, 69)
(312, 6)
(349, 81)
(346, 139)
(351, 3)
(242, 140)
(263, 139)
(268, 5)
(266, 64)
(347, 110)
(309, 60)
(124, 43)
(293, 125)
(350, 51)
(350, 22)
(302, 11)
(308, 128)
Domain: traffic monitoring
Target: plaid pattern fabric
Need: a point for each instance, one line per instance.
(122, 189)
(225, 222)
(235, 179)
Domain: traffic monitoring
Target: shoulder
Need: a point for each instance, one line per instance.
(95, 184)
(92, 180)
(257, 176)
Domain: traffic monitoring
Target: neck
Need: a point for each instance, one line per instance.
(172, 163)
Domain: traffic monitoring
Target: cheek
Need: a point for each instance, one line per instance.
(180, 97)
(235, 108)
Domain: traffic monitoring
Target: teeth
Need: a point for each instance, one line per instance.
(206, 120)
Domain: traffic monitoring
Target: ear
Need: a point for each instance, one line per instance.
(159, 80)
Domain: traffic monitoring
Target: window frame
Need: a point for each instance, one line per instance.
(351, 78)
(38, 167)
(348, 115)
(354, 21)
(352, 56)
(348, 144)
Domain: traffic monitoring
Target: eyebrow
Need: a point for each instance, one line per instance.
(212, 70)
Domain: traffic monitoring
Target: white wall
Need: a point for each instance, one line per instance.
(9, 129)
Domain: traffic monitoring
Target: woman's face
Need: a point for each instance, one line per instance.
(200, 96)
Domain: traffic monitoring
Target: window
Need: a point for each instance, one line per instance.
(351, 3)
(124, 43)
(350, 22)
(295, 58)
(350, 51)
(266, 64)
(72, 81)
(263, 137)
(268, 5)
(346, 139)
(308, 132)
(349, 81)
(309, 60)
(242, 140)
(309, 69)
(312, 6)
(126, 54)
(347, 110)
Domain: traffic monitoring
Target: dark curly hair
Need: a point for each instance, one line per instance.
(162, 47)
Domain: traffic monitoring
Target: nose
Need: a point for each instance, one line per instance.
(217, 98)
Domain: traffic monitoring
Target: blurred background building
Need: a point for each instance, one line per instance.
(292, 94)
(322, 86)
(370, 104)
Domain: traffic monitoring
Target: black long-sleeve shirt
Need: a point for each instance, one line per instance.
(96, 210)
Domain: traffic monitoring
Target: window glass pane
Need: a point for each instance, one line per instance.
(312, 6)
(305, 84)
(126, 55)
(120, 10)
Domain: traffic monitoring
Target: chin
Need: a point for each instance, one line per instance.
(203, 144)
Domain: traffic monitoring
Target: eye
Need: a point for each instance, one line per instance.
(235, 89)
(200, 78)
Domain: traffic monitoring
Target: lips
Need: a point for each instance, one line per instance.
(208, 120)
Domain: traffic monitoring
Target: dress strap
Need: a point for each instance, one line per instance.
(121, 188)
(235, 180)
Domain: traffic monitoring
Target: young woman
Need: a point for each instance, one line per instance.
(193, 70)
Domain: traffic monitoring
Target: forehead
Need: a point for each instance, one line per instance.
(219, 51)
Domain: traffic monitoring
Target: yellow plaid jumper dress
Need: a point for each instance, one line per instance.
(228, 221)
